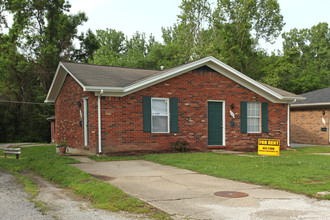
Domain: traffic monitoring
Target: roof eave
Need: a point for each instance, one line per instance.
(209, 61)
(58, 82)
(310, 104)
(168, 74)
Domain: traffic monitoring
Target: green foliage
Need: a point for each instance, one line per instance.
(180, 146)
(117, 50)
(44, 161)
(304, 64)
(88, 45)
(299, 171)
(40, 36)
(296, 171)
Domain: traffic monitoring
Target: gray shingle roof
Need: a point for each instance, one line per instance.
(121, 81)
(318, 96)
(281, 92)
(107, 76)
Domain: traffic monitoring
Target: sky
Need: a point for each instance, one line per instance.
(149, 16)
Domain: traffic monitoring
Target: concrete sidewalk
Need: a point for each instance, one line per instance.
(186, 194)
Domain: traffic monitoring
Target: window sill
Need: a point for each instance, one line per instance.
(160, 134)
(254, 134)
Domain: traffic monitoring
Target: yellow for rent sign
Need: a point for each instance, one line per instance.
(269, 147)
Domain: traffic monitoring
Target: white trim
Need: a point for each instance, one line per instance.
(329, 125)
(256, 117)
(75, 78)
(310, 104)
(85, 99)
(288, 125)
(99, 120)
(61, 81)
(210, 61)
(52, 85)
(168, 115)
(223, 121)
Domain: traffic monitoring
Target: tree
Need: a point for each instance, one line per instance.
(118, 50)
(40, 36)
(189, 38)
(88, 45)
(304, 64)
(239, 24)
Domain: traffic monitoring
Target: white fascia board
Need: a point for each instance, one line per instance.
(80, 83)
(106, 89)
(168, 74)
(209, 61)
(58, 82)
(48, 100)
(310, 104)
(246, 78)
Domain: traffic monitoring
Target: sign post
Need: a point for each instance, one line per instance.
(270, 147)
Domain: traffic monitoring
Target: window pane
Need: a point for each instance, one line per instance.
(253, 109)
(159, 124)
(253, 125)
(159, 107)
(253, 117)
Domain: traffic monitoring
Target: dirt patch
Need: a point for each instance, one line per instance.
(61, 203)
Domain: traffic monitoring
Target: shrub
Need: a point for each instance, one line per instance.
(181, 146)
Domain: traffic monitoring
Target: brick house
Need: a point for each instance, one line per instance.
(205, 103)
(310, 123)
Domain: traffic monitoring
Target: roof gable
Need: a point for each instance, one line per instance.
(120, 81)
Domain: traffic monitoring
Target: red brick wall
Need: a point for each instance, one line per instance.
(122, 121)
(67, 115)
(305, 126)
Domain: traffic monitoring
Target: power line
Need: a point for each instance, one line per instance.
(30, 103)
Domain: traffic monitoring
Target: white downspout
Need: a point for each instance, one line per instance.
(99, 119)
(288, 135)
(289, 144)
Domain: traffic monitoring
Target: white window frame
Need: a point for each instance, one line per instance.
(253, 117)
(167, 100)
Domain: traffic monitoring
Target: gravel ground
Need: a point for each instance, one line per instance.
(61, 203)
(14, 203)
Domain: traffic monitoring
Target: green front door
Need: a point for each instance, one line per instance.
(215, 123)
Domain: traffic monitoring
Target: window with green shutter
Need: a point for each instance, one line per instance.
(251, 113)
(160, 115)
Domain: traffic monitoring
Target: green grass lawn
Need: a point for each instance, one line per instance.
(296, 171)
(44, 161)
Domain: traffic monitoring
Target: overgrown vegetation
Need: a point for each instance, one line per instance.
(42, 34)
(44, 161)
(298, 171)
(180, 146)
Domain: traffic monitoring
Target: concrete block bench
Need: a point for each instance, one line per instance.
(16, 151)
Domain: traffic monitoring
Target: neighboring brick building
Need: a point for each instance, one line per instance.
(310, 118)
(205, 103)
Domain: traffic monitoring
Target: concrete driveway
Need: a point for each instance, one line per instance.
(186, 194)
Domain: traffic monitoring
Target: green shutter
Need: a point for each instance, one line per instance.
(243, 117)
(146, 114)
(174, 127)
(264, 117)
